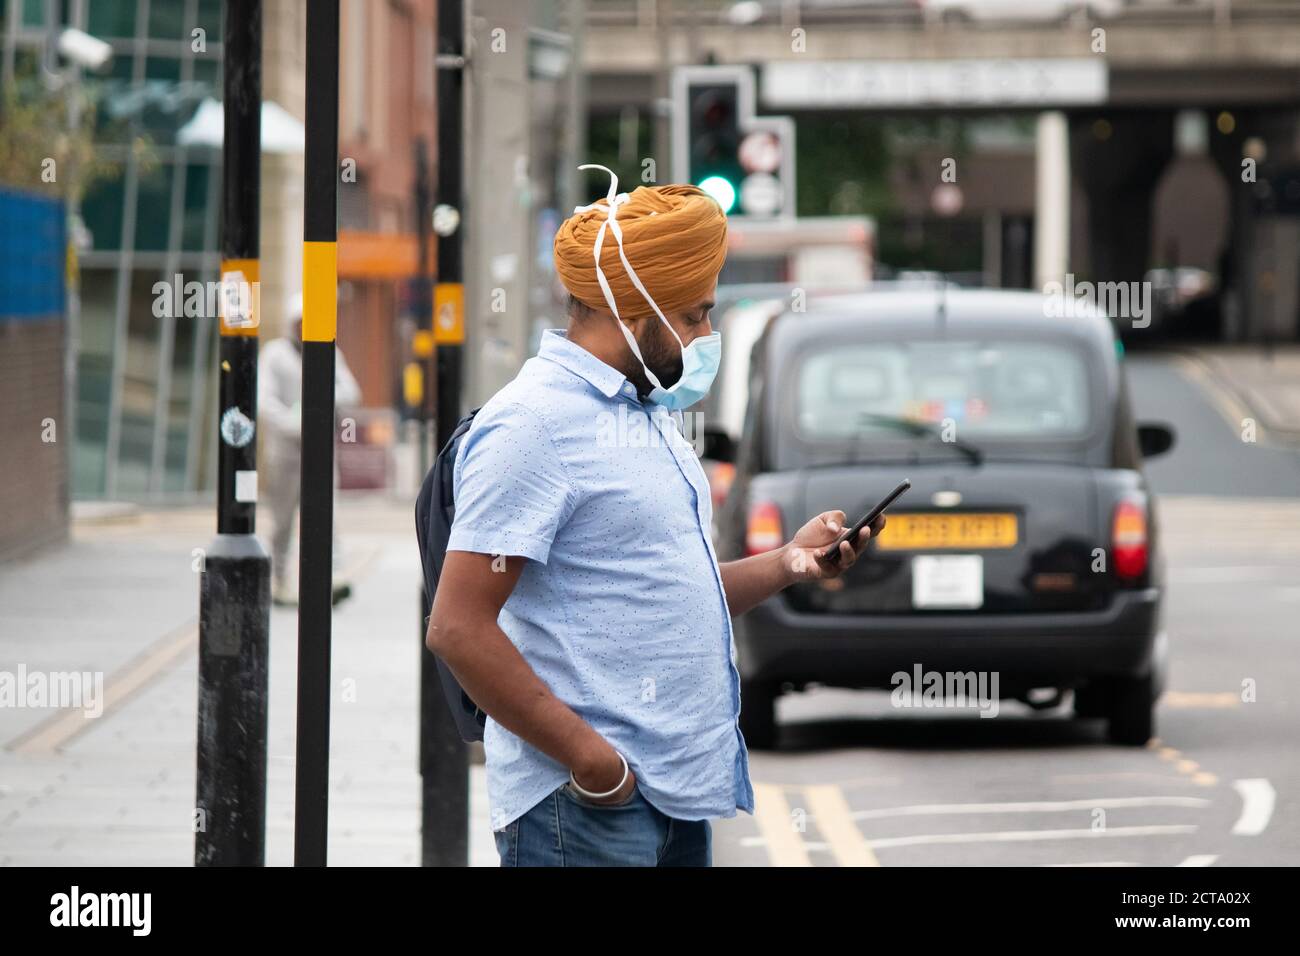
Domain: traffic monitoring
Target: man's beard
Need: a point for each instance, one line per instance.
(661, 352)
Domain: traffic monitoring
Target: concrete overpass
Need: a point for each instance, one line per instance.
(1175, 55)
(1107, 116)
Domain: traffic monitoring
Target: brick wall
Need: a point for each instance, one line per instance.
(33, 428)
(33, 472)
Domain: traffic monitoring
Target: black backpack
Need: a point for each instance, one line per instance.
(435, 508)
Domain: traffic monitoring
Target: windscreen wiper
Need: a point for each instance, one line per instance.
(923, 430)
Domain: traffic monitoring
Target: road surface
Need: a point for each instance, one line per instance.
(856, 782)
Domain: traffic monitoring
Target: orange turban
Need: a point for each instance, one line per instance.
(674, 237)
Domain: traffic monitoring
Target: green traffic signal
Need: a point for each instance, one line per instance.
(721, 189)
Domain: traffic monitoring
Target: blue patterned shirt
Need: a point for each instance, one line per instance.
(620, 608)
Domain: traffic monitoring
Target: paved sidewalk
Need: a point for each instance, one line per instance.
(1265, 382)
(122, 600)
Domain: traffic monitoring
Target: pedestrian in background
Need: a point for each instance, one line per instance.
(279, 404)
(581, 604)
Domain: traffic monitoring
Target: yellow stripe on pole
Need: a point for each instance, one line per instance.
(240, 304)
(320, 266)
(449, 313)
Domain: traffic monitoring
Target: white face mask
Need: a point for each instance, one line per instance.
(700, 359)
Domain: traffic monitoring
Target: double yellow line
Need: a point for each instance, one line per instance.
(783, 827)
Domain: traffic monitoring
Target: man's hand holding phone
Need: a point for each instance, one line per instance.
(806, 553)
(823, 547)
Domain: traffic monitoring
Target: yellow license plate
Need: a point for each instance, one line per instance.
(928, 532)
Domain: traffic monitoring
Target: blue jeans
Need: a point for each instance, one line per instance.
(565, 830)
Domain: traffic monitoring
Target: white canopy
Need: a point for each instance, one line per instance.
(281, 131)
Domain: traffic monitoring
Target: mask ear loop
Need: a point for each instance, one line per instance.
(613, 200)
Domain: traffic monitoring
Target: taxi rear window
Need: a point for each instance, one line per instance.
(986, 389)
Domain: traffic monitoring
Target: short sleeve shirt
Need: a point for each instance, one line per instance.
(620, 608)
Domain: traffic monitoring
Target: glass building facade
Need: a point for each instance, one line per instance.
(145, 384)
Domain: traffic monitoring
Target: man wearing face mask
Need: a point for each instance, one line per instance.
(581, 604)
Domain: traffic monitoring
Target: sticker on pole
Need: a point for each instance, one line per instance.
(236, 427)
(238, 301)
(246, 487)
(449, 313)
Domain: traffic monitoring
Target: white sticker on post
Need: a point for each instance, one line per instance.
(948, 581)
(246, 487)
(236, 309)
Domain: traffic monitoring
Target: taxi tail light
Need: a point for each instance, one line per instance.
(763, 530)
(1128, 540)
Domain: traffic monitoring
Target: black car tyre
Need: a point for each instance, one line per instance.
(758, 714)
(1132, 711)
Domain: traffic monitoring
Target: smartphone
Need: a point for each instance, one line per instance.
(833, 556)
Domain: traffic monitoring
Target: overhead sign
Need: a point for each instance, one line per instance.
(935, 83)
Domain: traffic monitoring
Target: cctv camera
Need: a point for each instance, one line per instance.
(84, 50)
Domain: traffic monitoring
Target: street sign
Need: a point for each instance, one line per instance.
(1041, 83)
(760, 195)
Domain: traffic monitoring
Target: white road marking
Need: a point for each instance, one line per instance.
(1232, 574)
(854, 783)
(812, 846)
(1205, 859)
(1153, 778)
(1042, 806)
(1099, 863)
(1023, 836)
(1194, 700)
(1257, 799)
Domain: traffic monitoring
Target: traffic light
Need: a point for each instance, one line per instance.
(745, 162)
(715, 142)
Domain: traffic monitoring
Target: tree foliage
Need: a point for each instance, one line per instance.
(41, 151)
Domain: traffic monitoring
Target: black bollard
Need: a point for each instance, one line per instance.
(235, 593)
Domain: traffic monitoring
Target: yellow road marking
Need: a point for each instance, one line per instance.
(1192, 769)
(1224, 400)
(835, 823)
(59, 730)
(785, 846)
